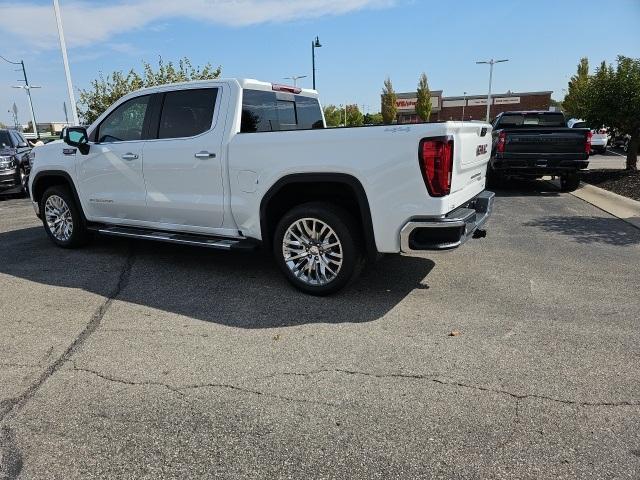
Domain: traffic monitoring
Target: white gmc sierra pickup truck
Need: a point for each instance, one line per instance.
(234, 164)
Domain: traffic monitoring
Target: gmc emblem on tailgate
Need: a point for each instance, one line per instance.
(481, 150)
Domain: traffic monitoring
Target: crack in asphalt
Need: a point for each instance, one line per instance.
(10, 456)
(435, 378)
(523, 396)
(180, 390)
(111, 378)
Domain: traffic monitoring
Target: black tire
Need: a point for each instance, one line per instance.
(569, 182)
(24, 181)
(344, 228)
(494, 179)
(79, 234)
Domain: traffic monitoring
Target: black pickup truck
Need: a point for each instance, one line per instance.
(14, 162)
(534, 144)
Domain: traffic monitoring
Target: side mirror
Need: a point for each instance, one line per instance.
(77, 137)
(22, 145)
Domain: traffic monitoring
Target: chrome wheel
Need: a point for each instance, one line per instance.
(58, 218)
(312, 251)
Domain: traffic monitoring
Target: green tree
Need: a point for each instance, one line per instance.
(389, 97)
(573, 101)
(612, 98)
(333, 116)
(354, 116)
(2, 125)
(104, 91)
(373, 119)
(557, 104)
(423, 106)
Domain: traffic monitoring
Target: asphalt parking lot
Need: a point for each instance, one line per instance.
(141, 360)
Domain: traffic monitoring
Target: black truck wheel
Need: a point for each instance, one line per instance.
(569, 182)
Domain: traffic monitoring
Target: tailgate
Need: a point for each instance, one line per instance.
(471, 153)
(565, 140)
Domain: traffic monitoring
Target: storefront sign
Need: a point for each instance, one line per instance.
(506, 100)
(454, 103)
(409, 104)
(477, 101)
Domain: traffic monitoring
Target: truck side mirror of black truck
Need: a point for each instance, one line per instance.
(77, 137)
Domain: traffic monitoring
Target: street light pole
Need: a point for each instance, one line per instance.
(65, 61)
(314, 44)
(464, 104)
(295, 79)
(491, 63)
(28, 88)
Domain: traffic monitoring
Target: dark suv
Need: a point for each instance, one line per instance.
(14, 162)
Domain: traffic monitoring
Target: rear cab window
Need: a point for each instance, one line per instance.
(533, 119)
(265, 111)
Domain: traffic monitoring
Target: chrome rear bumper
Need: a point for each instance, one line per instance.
(449, 231)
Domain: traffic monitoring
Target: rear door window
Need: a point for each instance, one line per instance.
(186, 113)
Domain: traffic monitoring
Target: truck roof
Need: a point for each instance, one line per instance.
(244, 83)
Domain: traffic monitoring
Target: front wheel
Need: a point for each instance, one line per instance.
(317, 247)
(62, 218)
(569, 182)
(24, 182)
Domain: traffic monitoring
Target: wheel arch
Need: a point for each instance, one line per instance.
(49, 178)
(278, 200)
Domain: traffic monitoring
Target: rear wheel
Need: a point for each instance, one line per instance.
(569, 182)
(317, 247)
(62, 218)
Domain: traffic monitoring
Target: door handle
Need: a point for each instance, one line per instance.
(204, 154)
(130, 156)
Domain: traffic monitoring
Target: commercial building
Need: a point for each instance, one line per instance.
(470, 107)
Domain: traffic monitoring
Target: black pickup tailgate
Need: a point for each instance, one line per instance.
(549, 142)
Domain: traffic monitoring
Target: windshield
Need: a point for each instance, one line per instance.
(524, 120)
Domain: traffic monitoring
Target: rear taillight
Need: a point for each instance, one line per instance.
(587, 144)
(502, 140)
(436, 162)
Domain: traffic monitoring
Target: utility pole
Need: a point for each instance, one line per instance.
(28, 88)
(65, 61)
(491, 63)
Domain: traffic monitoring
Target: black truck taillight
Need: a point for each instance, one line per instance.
(502, 140)
(436, 164)
(587, 143)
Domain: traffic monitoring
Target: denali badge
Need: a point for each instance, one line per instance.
(481, 150)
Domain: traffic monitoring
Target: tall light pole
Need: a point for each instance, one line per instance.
(464, 103)
(27, 88)
(65, 61)
(295, 79)
(491, 63)
(315, 44)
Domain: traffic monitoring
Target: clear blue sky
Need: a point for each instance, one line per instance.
(363, 42)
